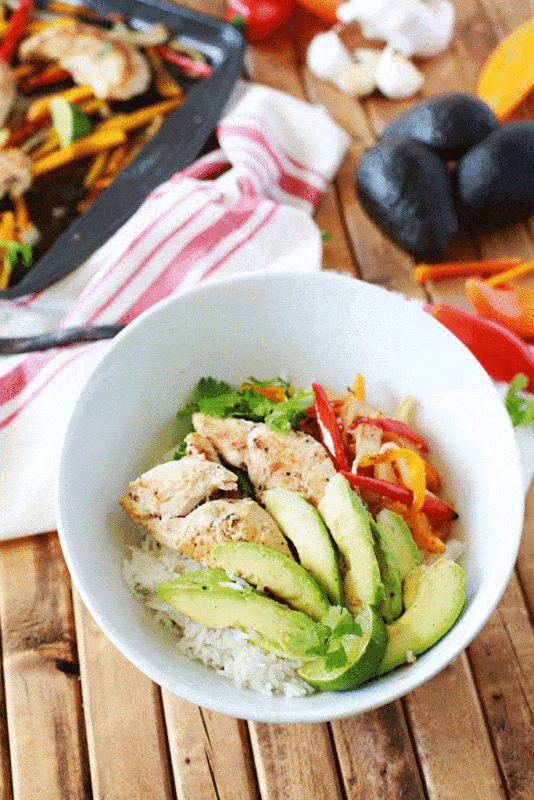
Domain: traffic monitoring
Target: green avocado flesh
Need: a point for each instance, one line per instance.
(303, 526)
(200, 596)
(433, 598)
(284, 578)
(347, 519)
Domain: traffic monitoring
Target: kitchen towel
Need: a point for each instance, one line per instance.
(246, 206)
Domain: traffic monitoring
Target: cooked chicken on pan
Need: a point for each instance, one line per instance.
(15, 172)
(8, 90)
(113, 68)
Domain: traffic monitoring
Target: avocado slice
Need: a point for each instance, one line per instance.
(396, 535)
(205, 596)
(391, 605)
(433, 596)
(265, 567)
(347, 519)
(303, 526)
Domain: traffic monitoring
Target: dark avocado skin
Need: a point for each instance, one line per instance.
(494, 180)
(450, 124)
(405, 189)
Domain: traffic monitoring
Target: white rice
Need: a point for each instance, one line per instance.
(229, 651)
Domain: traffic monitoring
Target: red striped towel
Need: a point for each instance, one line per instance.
(247, 206)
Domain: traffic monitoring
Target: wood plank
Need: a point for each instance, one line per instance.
(376, 756)
(210, 753)
(452, 740)
(525, 557)
(502, 658)
(43, 701)
(125, 731)
(294, 762)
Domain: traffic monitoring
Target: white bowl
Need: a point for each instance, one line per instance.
(309, 327)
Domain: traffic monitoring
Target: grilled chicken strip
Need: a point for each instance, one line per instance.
(219, 521)
(113, 68)
(290, 460)
(15, 172)
(174, 489)
(197, 445)
(8, 91)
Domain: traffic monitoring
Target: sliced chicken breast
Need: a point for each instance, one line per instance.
(15, 172)
(197, 445)
(290, 460)
(228, 435)
(175, 488)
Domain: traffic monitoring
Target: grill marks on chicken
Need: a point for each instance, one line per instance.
(172, 501)
(113, 68)
(290, 460)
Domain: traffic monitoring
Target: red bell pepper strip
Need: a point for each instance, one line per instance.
(432, 506)
(328, 428)
(15, 30)
(393, 426)
(502, 353)
(44, 78)
(184, 62)
(258, 18)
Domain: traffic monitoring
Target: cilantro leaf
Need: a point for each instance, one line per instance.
(520, 409)
(341, 623)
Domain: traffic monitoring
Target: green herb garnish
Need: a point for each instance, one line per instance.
(520, 409)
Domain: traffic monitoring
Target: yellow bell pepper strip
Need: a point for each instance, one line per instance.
(358, 387)
(165, 84)
(507, 77)
(512, 307)
(510, 274)
(462, 269)
(329, 428)
(136, 119)
(99, 140)
(395, 426)
(7, 234)
(416, 477)
(27, 232)
(432, 506)
(40, 108)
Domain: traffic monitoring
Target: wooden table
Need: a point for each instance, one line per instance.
(78, 721)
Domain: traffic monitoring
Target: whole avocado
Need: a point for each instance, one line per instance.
(495, 179)
(451, 124)
(405, 189)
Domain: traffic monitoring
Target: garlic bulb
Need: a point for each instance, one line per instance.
(396, 76)
(327, 56)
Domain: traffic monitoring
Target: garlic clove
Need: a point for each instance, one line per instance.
(396, 76)
(327, 56)
(356, 80)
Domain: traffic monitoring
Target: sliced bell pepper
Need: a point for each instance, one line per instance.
(432, 506)
(415, 466)
(393, 426)
(423, 534)
(15, 30)
(502, 353)
(329, 428)
(507, 77)
(512, 307)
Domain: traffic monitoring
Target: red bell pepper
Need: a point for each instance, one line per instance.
(183, 62)
(258, 18)
(15, 30)
(502, 353)
(44, 78)
(328, 428)
(432, 506)
(393, 426)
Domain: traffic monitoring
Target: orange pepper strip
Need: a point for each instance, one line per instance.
(461, 269)
(422, 533)
(510, 274)
(358, 387)
(415, 466)
(513, 307)
(41, 107)
(274, 393)
(507, 77)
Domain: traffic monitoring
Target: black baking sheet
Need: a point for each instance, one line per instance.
(68, 238)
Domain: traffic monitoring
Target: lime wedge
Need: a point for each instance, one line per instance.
(69, 121)
(364, 654)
